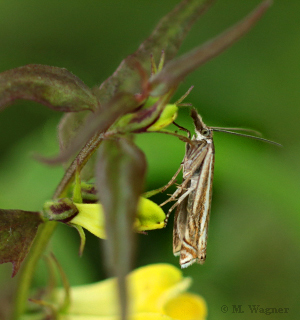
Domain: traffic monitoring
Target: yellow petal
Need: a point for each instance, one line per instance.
(149, 316)
(139, 316)
(97, 299)
(167, 116)
(186, 306)
(147, 290)
(90, 217)
(150, 216)
(150, 284)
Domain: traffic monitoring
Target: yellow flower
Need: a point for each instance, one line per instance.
(150, 216)
(155, 292)
(167, 116)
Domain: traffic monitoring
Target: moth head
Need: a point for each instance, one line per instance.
(207, 132)
(200, 126)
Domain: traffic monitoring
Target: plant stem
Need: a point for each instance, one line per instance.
(46, 230)
(26, 274)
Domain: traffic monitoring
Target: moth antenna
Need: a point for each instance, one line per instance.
(184, 104)
(248, 136)
(236, 129)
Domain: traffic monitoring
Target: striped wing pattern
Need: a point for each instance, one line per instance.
(194, 198)
(192, 238)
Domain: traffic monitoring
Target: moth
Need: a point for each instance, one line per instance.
(193, 196)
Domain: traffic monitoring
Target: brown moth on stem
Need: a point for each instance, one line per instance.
(193, 195)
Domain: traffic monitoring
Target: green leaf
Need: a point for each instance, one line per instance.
(168, 35)
(120, 176)
(17, 232)
(54, 87)
(176, 70)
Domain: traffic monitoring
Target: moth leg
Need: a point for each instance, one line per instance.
(187, 177)
(180, 199)
(172, 197)
(183, 129)
(173, 179)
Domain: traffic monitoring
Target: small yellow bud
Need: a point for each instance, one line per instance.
(167, 116)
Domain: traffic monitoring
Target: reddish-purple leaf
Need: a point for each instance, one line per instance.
(54, 87)
(176, 70)
(120, 173)
(69, 125)
(97, 123)
(168, 36)
(17, 232)
(67, 130)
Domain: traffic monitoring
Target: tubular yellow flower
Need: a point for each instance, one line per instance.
(155, 292)
(186, 306)
(150, 216)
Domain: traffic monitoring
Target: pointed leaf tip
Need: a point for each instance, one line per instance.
(168, 36)
(54, 87)
(177, 69)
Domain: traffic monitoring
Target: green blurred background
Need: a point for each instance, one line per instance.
(253, 251)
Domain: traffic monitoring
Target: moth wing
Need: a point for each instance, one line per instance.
(193, 248)
(193, 156)
(179, 226)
